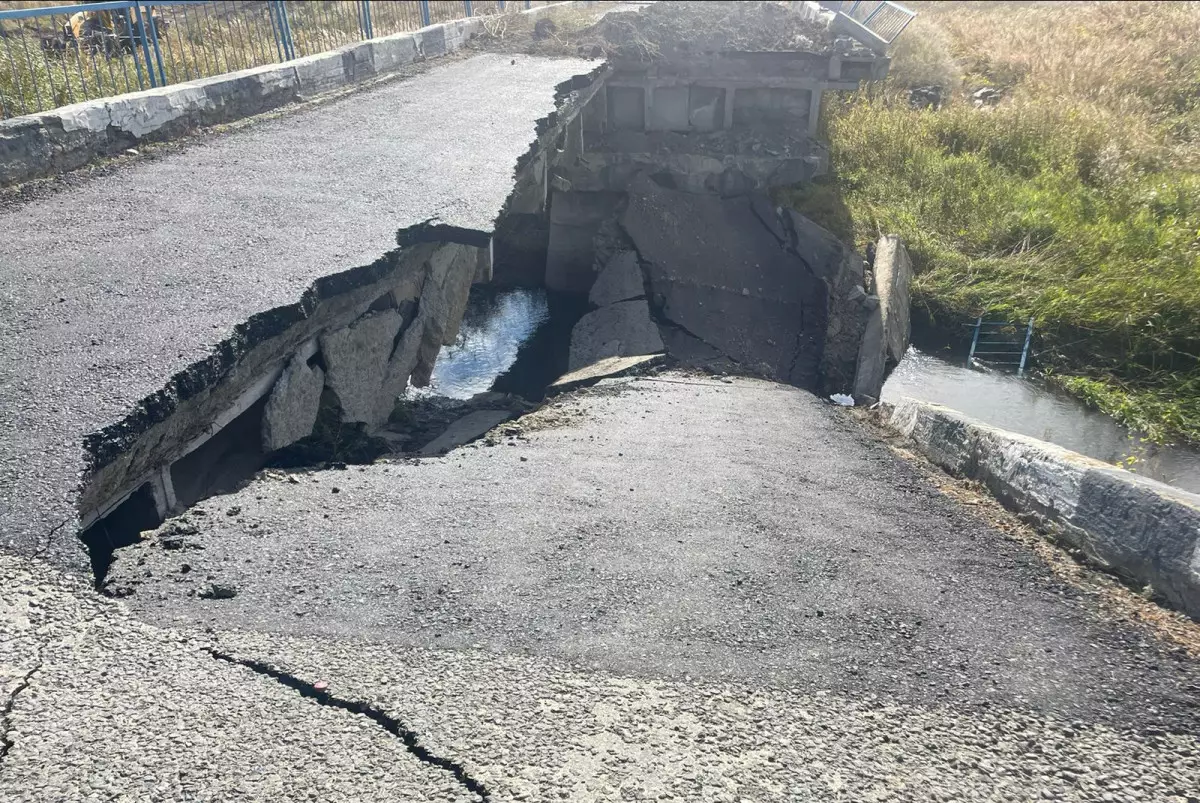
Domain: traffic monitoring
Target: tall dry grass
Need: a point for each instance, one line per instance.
(1076, 200)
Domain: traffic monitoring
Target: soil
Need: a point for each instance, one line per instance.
(664, 30)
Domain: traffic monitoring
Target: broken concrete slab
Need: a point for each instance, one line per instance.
(452, 269)
(601, 369)
(465, 430)
(886, 336)
(291, 410)
(893, 277)
(620, 280)
(356, 358)
(624, 329)
(723, 277)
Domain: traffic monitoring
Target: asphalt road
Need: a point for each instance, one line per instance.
(109, 288)
(673, 528)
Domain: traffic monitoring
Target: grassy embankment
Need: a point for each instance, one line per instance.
(1075, 200)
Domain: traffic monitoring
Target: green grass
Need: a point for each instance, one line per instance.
(1078, 208)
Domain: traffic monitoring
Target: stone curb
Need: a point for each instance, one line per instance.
(69, 137)
(1143, 530)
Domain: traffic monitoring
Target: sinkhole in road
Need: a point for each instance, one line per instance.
(512, 344)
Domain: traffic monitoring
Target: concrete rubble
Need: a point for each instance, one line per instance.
(601, 369)
(728, 278)
(623, 329)
(292, 407)
(889, 325)
(357, 356)
(620, 280)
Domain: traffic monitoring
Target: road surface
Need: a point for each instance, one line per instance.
(110, 288)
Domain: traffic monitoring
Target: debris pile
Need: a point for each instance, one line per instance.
(667, 30)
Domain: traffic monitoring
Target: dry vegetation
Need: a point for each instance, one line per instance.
(1075, 200)
(659, 30)
(40, 70)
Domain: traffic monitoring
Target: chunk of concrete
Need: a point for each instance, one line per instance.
(291, 409)
(465, 430)
(403, 360)
(609, 366)
(872, 360)
(726, 279)
(889, 326)
(624, 329)
(620, 280)
(443, 300)
(356, 358)
(893, 277)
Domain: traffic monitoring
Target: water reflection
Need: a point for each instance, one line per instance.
(495, 326)
(1030, 408)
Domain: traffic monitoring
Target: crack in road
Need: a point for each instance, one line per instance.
(40, 551)
(380, 718)
(6, 743)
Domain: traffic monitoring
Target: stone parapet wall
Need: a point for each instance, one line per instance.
(1144, 531)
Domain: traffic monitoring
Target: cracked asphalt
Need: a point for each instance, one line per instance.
(685, 588)
(111, 286)
(117, 710)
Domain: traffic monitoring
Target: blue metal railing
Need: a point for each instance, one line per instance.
(1001, 343)
(886, 19)
(56, 55)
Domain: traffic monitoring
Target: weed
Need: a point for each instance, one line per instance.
(1075, 201)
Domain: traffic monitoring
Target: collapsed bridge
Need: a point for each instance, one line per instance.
(646, 189)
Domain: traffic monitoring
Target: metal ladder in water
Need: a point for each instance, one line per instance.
(1000, 343)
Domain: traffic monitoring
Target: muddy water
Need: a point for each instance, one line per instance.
(1031, 408)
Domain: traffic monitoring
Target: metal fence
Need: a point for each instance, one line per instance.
(887, 20)
(54, 55)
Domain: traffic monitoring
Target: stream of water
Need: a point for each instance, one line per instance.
(1031, 408)
(511, 341)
